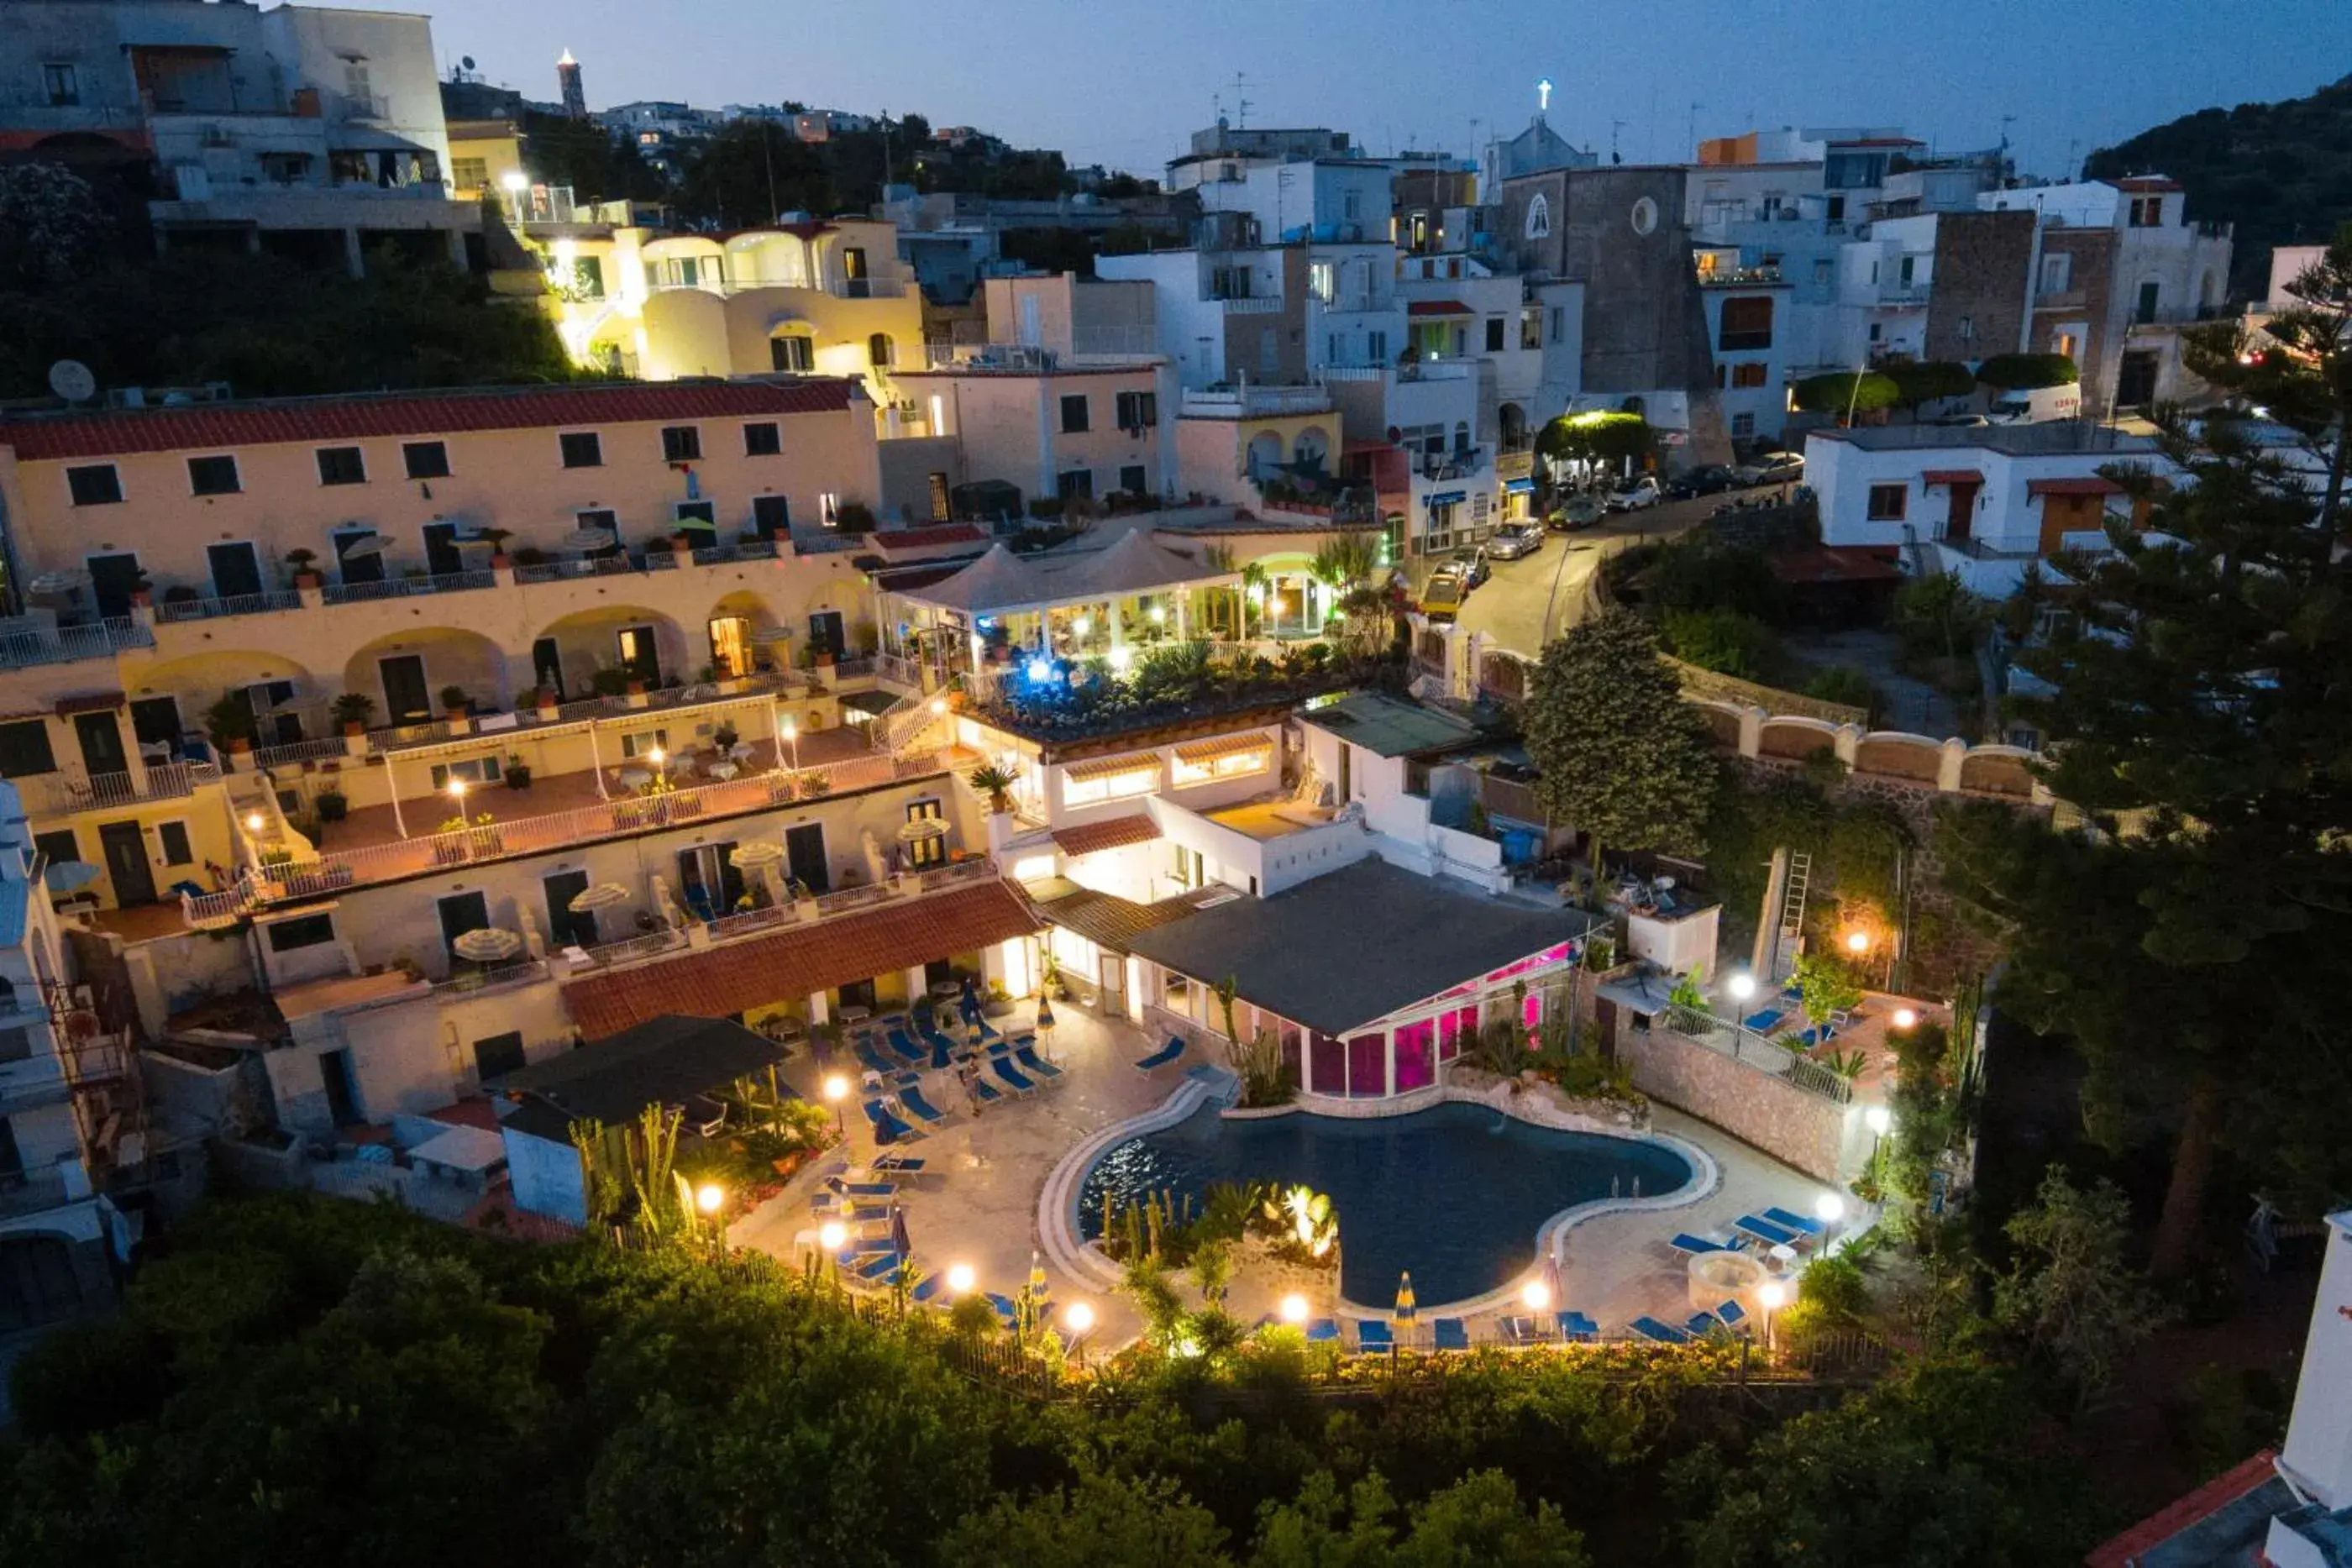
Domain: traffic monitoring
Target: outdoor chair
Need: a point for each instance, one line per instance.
(1323, 1331)
(1450, 1334)
(1373, 1338)
(1794, 1221)
(1702, 1324)
(1576, 1328)
(1032, 1062)
(1662, 1333)
(907, 1050)
(861, 1189)
(1015, 1078)
(1764, 1230)
(1519, 1330)
(912, 1099)
(1164, 1055)
(903, 1164)
(1732, 1315)
(1695, 1245)
(985, 1093)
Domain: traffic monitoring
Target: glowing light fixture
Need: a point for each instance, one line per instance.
(1741, 987)
(831, 1234)
(1878, 1119)
(960, 1279)
(1294, 1307)
(710, 1197)
(1905, 1018)
(1830, 1208)
(1536, 1295)
(1773, 1294)
(1077, 1317)
(1857, 942)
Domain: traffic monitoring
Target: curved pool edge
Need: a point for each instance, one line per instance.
(1057, 1206)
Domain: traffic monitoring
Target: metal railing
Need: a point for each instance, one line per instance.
(1749, 1049)
(293, 751)
(404, 587)
(742, 549)
(64, 644)
(1247, 304)
(163, 781)
(1245, 400)
(170, 610)
(510, 974)
(616, 565)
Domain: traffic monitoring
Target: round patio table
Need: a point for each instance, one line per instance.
(853, 1014)
(1782, 1255)
(636, 778)
(722, 770)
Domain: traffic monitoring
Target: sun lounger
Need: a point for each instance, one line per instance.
(1164, 1055)
(1576, 1328)
(1519, 1330)
(873, 1061)
(904, 1165)
(1026, 1036)
(1004, 1305)
(1794, 1221)
(854, 1213)
(927, 1290)
(1764, 1230)
(1000, 1047)
(861, 1189)
(888, 1129)
(1702, 1324)
(929, 1113)
(1695, 1245)
(1664, 1333)
(908, 1052)
(1323, 1331)
(1732, 1315)
(1032, 1062)
(1013, 1076)
(1450, 1333)
(984, 1094)
(1373, 1338)
(1762, 1019)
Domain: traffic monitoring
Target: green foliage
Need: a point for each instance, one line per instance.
(1346, 560)
(1622, 756)
(1703, 570)
(1105, 1519)
(1865, 391)
(596, 164)
(1845, 685)
(1934, 1468)
(1726, 643)
(1603, 436)
(54, 227)
(1686, 1008)
(1478, 1521)
(2025, 372)
(1936, 613)
(275, 328)
(2070, 1293)
(993, 783)
(231, 718)
(1825, 987)
(1925, 381)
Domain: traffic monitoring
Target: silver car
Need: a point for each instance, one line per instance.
(1513, 541)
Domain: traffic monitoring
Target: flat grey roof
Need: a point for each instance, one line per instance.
(1356, 943)
(1385, 727)
(663, 1061)
(2048, 438)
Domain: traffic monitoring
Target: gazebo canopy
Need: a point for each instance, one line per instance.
(1002, 583)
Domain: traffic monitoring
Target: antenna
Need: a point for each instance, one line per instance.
(1690, 139)
(1241, 102)
(1614, 127)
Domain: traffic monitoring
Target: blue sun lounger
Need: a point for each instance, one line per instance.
(912, 1099)
(904, 1165)
(888, 1129)
(1373, 1337)
(1026, 1055)
(861, 1189)
(1013, 1076)
(1164, 1055)
(1732, 1315)
(1765, 1231)
(1794, 1221)
(1323, 1331)
(1000, 1047)
(1004, 1305)
(984, 1094)
(1450, 1333)
(1576, 1328)
(873, 1060)
(1664, 1333)
(1702, 1324)
(1695, 1245)
(931, 1285)
(879, 1266)
(907, 1051)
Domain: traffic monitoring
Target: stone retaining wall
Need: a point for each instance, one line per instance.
(1796, 1128)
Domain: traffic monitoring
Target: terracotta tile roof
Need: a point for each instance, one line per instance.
(1201, 751)
(1830, 564)
(898, 541)
(215, 426)
(1437, 307)
(1115, 833)
(837, 951)
(1951, 477)
(2182, 1512)
(2089, 485)
(1113, 767)
(1109, 921)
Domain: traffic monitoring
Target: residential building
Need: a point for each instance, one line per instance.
(1070, 397)
(1435, 204)
(316, 132)
(1236, 313)
(1982, 503)
(2121, 272)
(486, 159)
(1537, 149)
(824, 124)
(1951, 286)
(1749, 325)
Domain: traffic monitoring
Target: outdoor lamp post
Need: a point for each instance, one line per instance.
(660, 759)
(1905, 1018)
(792, 738)
(1535, 1296)
(1771, 1295)
(1741, 987)
(1078, 1317)
(1857, 943)
(710, 1197)
(1879, 1120)
(1294, 1309)
(836, 1090)
(831, 1234)
(960, 1279)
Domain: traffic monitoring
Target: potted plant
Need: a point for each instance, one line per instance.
(181, 594)
(724, 736)
(334, 806)
(305, 574)
(996, 784)
(517, 771)
(611, 682)
(455, 701)
(229, 723)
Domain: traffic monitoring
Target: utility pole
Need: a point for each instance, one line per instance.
(1614, 127)
(1691, 140)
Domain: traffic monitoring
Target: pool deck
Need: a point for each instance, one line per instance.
(977, 1200)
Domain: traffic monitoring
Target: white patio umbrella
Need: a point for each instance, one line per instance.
(589, 539)
(604, 896)
(70, 876)
(769, 637)
(366, 545)
(59, 581)
(763, 858)
(487, 945)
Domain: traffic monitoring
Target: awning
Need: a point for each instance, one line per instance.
(1447, 498)
(1112, 767)
(1438, 308)
(838, 950)
(1951, 477)
(1518, 486)
(91, 702)
(2089, 485)
(1200, 753)
(1086, 838)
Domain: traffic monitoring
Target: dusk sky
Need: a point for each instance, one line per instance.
(1121, 81)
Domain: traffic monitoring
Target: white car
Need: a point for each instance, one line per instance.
(1639, 496)
(1513, 541)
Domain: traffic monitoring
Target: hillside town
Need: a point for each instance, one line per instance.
(1380, 808)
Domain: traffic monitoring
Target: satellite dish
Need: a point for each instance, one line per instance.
(71, 379)
(468, 62)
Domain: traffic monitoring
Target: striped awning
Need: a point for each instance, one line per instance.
(2088, 485)
(1200, 753)
(1519, 487)
(1113, 767)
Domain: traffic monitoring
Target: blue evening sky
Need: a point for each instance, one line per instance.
(1121, 82)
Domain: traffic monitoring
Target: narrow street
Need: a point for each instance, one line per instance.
(1510, 609)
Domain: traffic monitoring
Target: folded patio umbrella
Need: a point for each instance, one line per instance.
(898, 1242)
(1045, 1012)
(1406, 1307)
(1038, 1289)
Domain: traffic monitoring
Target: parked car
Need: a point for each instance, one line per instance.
(1476, 566)
(1707, 479)
(1441, 595)
(1639, 496)
(1513, 541)
(1778, 468)
(1576, 512)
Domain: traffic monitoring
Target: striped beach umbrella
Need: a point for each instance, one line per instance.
(1045, 1012)
(1038, 1289)
(1405, 1309)
(898, 1242)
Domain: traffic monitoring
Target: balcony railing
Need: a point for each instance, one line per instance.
(406, 587)
(26, 645)
(171, 609)
(57, 792)
(1250, 401)
(1248, 304)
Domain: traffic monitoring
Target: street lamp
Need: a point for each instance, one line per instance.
(458, 790)
(710, 1197)
(1294, 1309)
(1771, 1295)
(1741, 987)
(514, 181)
(1535, 1296)
(836, 1090)
(657, 756)
(1857, 943)
(1905, 1018)
(1830, 1206)
(1879, 1120)
(831, 1234)
(960, 1279)
(1077, 1318)
(793, 736)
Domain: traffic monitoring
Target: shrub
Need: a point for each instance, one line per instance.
(1838, 390)
(1923, 382)
(1705, 571)
(1845, 685)
(1726, 642)
(2022, 373)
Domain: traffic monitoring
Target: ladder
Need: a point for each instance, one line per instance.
(1793, 915)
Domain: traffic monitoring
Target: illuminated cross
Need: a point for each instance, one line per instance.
(1543, 95)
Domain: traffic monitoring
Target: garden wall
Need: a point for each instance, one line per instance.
(1794, 1127)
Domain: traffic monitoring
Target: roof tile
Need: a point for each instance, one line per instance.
(1116, 833)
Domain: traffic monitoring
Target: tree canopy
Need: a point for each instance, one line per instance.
(1865, 391)
(1621, 756)
(1600, 435)
(2023, 372)
(1925, 381)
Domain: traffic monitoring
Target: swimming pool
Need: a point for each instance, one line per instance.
(1455, 1193)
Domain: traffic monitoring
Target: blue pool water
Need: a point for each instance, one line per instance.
(1455, 1193)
